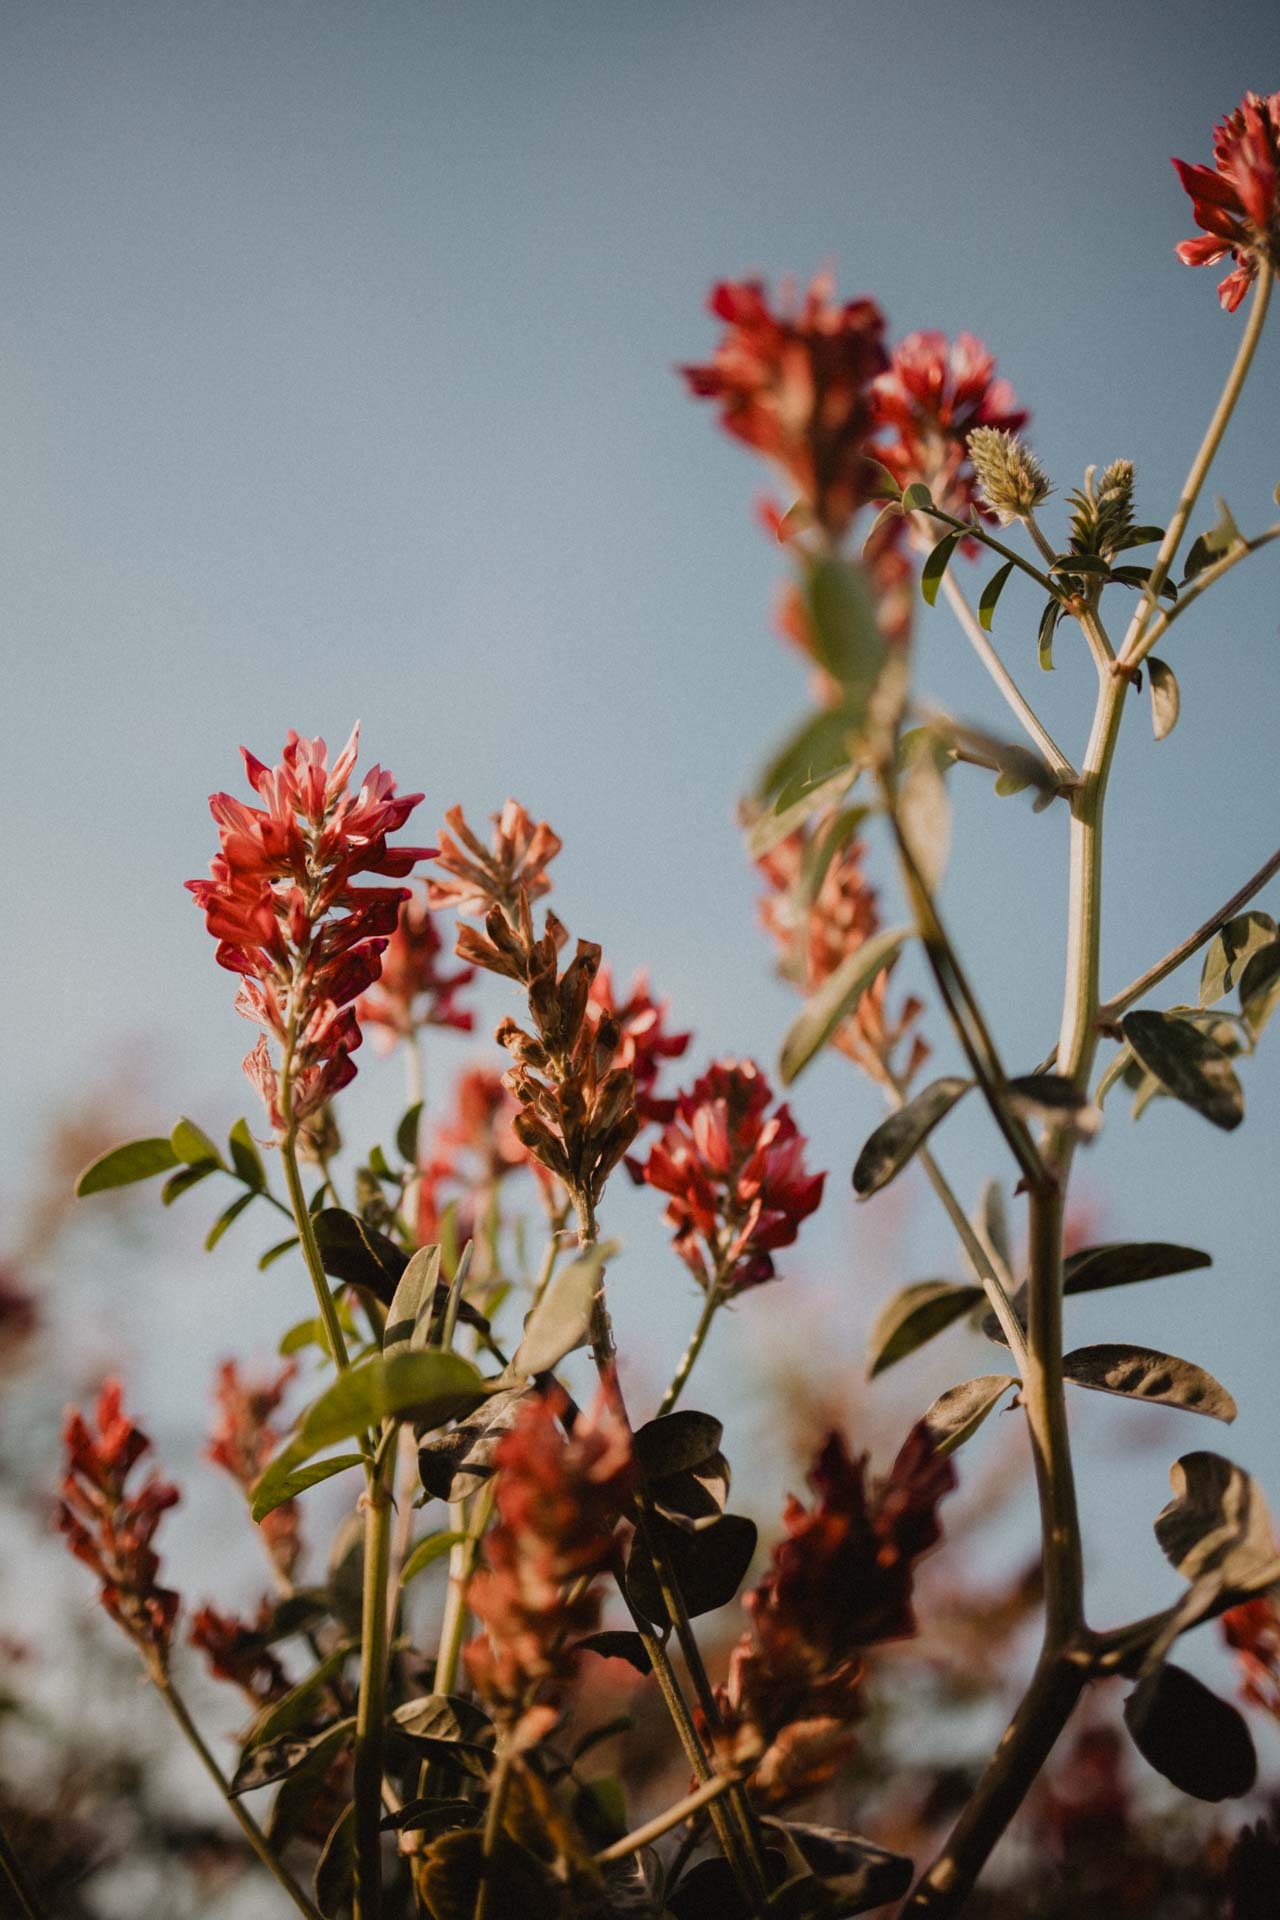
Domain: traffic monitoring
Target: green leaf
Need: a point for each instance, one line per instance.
(836, 999)
(447, 1727)
(272, 1254)
(1165, 697)
(1194, 1739)
(914, 1316)
(454, 1465)
(427, 1388)
(1143, 1373)
(432, 1816)
(407, 1134)
(855, 1874)
(427, 1552)
(410, 1313)
(936, 565)
(191, 1144)
(138, 1160)
(1138, 537)
(899, 1138)
(277, 1759)
(1188, 1064)
(991, 594)
(1230, 951)
(958, 1413)
(676, 1442)
(336, 1867)
(1217, 1533)
(708, 1566)
(924, 815)
(780, 821)
(184, 1179)
(1080, 564)
(1054, 1100)
(357, 1254)
(1044, 634)
(227, 1218)
(245, 1157)
(1122, 1263)
(1260, 988)
(916, 496)
(845, 626)
(812, 753)
(273, 1488)
(561, 1321)
(882, 486)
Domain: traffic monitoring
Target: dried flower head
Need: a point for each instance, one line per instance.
(1010, 479)
(239, 1652)
(643, 1042)
(559, 1500)
(1237, 200)
(795, 384)
(933, 395)
(493, 876)
(735, 1176)
(242, 1443)
(414, 990)
(287, 918)
(111, 1529)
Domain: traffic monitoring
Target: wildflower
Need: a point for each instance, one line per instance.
(1253, 1631)
(287, 918)
(413, 990)
(111, 1529)
(795, 384)
(1010, 479)
(735, 1175)
(643, 1044)
(559, 1499)
(816, 934)
(243, 1441)
(1102, 511)
(932, 396)
(1237, 200)
(240, 1653)
(471, 1152)
(493, 876)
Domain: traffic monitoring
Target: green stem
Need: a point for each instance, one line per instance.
(663, 1822)
(691, 1352)
(1138, 642)
(1111, 1009)
(975, 530)
(247, 1824)
(371, 1710)
(499, 1786)
(1013, 695)
(311, 1251)
(1209, 577)
(13, 1876)
(1045, 1403)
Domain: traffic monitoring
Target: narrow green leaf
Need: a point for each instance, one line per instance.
(1260, 988)
(138, 1160)
(916, 496)
(336, 1867)
(1044, 636)
(185, 1178)
(991, 594)
(227, 1218)
(193, 1145)
(279, 1758)
(1188, 1064)
(407, 1134)
(427, 1388)
(1138, 537)
(776, 824)
(845, 626)
(1143, 1373)
(958, 1413)
(274, 1488)
(561, 1321)
(1165, 697)
(1230, 951)
(914, 1316)
(409, 1315)
(883, 485)
(434, 1547)
(836, 999)
(1122, 1263)
(815, 751)
(245, 1157)
(936, 565)
(899, 1138)
(924, 814)
(272, 1254)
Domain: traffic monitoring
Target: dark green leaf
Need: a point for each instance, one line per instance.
(193, 1145)
(336, 1867)
(272, 1254)
(561, 1321)
(413, 1303)
(276, 1759)
(298, 1707)
(185, 1178)
(991, 594)
(1217, 1525)
(897, 1139)
(1138, 537)
(296, 1800)
(617, 1644)
(600, 1810)
(1143, 1373)
(454, 1465)
(273, 1489)
(1121, 1263)
(1165, 697)
(1080, 564)
(837, 998)
(1229, 952)
(433, 1816)
(1044, 635)
(1190, 1736)
(1188, 1064)
(426, 1552)
(916, 496)
(518, 1886)
(676, 1442)
(1137, 578)
(138, 1160)
(936, 565)
(447, 1727)
(429, 1388)
(1260, 988)
(245, 1157)
(958, 1413)
(708, 1566)
(695, 1498)
(1053, 1099)
(226, 1218)
(358, 1254)
(882, 485)
(914, 1316)
(407, 1134)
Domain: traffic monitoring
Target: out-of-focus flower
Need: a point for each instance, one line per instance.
(559, 1499)
(483, 877)
(815, 935)
(1010, 479)
(840, 1581)
(111, 1529)
(239, 1652)
(1084, 1808)
(933, 395)
(643, 1044)
(736, 1177)
(795, 384)
(243, 1441)
(19, 1316)
(1237, 200)
(413, 989)
(474, 1149)
(281, 904)
(1253, 1871)
(1253, 1631)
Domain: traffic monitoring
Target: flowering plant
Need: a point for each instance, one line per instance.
(436, 1766)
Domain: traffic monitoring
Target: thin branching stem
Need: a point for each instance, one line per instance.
(663, 1822)
(1014, 698)
(1110, 1010)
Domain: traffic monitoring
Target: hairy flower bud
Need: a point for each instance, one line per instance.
(1010, 479)
(1102, 511)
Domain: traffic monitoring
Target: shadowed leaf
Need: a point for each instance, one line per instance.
(914, 1316)
(708, 1565)
(273, 1490)
(1229, 952)
(1143, 1373)
(276, 1759)
(1194, 1739)
(336, 1867)
(358, 1254)
(837, 998)
(676, 1442)
(897, 1139)
(1260, 988)
(561, 1321)
(1188, 1064)
(1121, 1263)
(427, 1551)
(617, 1644)
(958, 1413)
(410, 1312)
(991, 594)
(861, 1874)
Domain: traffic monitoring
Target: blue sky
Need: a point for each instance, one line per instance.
(337, 380)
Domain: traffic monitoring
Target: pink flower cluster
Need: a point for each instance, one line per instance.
(242, 1443)
(414, 990)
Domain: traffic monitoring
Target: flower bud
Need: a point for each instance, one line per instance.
(1010, 478)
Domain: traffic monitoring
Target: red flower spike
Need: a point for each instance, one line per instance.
(413, 990)
(1237, 200)
(1253, 1631)
(287, 918)
(239, 1653)
(111, 1529)
(932, 396)
(475, 1148)
(794, 384)
(735, 1175)
(643, 1044)
(243, 1441)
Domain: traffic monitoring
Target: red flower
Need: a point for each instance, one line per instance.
(111, 1529)
(932, 397)
(474, 1149)
(735, 1174)
(413, 990)
(1237, 200)
(1253, 1630)
(240, 1653)
(243, 1442)
(796, 385)
(485, 877)
(643, 1045)
(288, 920)
(559, 1499)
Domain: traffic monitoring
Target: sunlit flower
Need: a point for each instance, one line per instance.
(242, 1443)
(111, 1529)
(795, 384)
(483, 877)
(239, 1652)
(932, 396)
(735, 1175)
(1237, 200)
(644, 1044)
(559, 1499)
(1010, 480)
(288, 919)
(413, 989)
